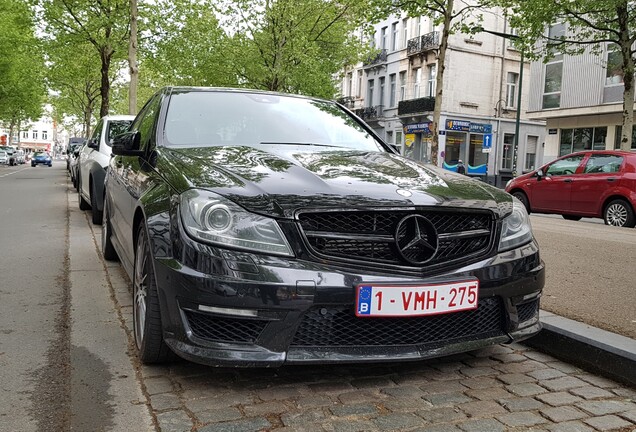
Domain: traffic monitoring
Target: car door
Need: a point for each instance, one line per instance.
(602, 172)
(551, 192)
(131, 175)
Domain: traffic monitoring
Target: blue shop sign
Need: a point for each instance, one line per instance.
(466, 126)
(417, 128)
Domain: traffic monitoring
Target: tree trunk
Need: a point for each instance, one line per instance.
(132, 59)
(439, 83)
(628, 78)
(104, 89)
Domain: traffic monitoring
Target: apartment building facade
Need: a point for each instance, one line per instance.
(394, 92)
(580, 97)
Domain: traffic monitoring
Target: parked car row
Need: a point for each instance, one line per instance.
(11, 156)
(262, 228)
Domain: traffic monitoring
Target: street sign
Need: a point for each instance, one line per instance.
(487, 143)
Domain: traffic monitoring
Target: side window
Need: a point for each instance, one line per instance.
(145, 122)
(565, 166)
(603, 164)
(97, 133)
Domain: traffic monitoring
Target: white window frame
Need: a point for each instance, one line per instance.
(402, 85)
(405, 32)
(392, 90)
(417, 82)
(432, 80)
(395, 36)
(511, 89)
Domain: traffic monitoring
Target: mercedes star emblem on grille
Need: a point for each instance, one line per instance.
(416, 239)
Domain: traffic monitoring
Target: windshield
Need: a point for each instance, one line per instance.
(201, 119)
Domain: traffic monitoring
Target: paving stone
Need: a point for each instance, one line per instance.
(331, 387)
(313, 427)
(526, 389)
(521, 367)
(164, 401)
(590, 392)
(434, 375)
(521, 419)
(482, 408)
(564, 367)
(403, 392)
(411, 379)
(397, 421)
(492, 350)
(374, 382)
(564, 383)
(355, 409)
(482, 425)
(510, 358)
(546, 374)
(573, 426)
(247, 425)
(480, 383)
(481, 362)
(438, 428)
(446, 365)
(539, 356)
(219, 415)
(303, 417)
(473, 372)
(521, 404)
(158, 385)
(558, 398)
(608, 423)
(174, 421)
(313, 401)
(279, 393)
(447, 399)
(625, 392)
(261, 409)
(494, 393)
(629, 415)
(442, 387)
(360, 396)
(515, 378)
(598, 381)
(347, 426)
(600, 408)
(406, 405)
(442, 415)
(563, 414)
(221, 401)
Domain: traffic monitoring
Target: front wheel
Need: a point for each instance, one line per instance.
(523, 198)
(619, 213)
(146, 313)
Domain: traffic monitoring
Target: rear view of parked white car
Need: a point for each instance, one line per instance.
(93, 161)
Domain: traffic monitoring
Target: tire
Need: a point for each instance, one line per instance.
(97, 215)
(108, 250)
(147, 327)
(83, 205)
(521, 196)
(619, 213)
(33, 165)
(571, 218)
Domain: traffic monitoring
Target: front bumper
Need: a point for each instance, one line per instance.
(302, 311)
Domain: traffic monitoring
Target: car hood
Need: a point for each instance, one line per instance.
(278, 180)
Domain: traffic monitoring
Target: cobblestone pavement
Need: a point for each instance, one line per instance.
(502, 388)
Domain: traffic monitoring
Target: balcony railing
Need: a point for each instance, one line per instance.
(375, 59)
(414, 106)
(347, 101)
(420, 44)
(370, 113)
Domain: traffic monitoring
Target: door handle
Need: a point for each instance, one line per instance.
(611, 179)
(568, 180)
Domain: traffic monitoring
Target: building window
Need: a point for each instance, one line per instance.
(619, 132)
(511, 89)
(350, 84)
(552, 86)
(25, 134)
(432, 80)
(359, 93)
(531, 152)
(573, 140)
(417, 83)
(370, 93)
(405, 32)
(389, 139)
(398, 141)
(395, 36)
(383, 37)
(402, 86)
(45, 135)
(508, 146)
(392, 89)
(614, 73)
(382, 80)
(35, 134)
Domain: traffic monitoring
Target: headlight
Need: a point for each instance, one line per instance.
(214, 219)
(508, 183)
(516, 230)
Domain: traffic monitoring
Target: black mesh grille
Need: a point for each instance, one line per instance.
(370, 235)
(528, 310)
(338, 326)
(216, 329)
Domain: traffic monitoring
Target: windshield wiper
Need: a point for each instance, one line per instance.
(298, 144)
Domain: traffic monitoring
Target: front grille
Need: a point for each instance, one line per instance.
(527, 311)
(370, 236)
(217, 329)
(338, 326)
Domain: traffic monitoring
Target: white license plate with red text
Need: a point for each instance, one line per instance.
(386, 300)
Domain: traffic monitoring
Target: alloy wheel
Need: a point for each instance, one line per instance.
(617, 215)
(140, 290)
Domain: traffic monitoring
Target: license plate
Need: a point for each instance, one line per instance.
(386, 300)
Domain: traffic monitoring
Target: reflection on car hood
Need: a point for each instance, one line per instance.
(277, 180)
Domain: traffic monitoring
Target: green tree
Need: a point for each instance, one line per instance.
(22, 89)
(590, 25)
(101, 23)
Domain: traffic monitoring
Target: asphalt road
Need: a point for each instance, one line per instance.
(590, 272)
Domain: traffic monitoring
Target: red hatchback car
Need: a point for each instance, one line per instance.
(600, 184)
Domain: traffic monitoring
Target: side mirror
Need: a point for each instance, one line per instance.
(540, 174)
(127, 144)
(76, 152)
(93, 143)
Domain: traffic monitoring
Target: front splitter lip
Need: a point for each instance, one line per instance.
(254, 356)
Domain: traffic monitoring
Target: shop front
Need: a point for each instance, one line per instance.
(417, 141)
(469, 142)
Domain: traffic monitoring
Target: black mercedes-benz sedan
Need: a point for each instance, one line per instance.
(262, 229)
